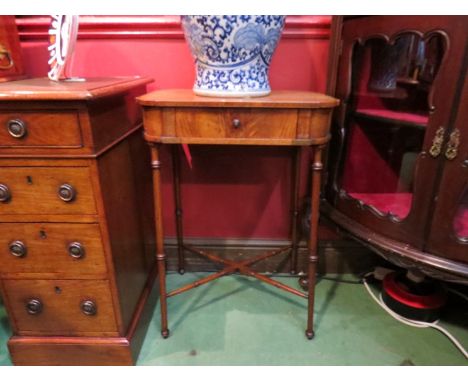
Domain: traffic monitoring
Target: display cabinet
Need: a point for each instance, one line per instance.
(398, 161)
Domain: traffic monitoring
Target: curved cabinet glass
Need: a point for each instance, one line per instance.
(460, 223)
(387, 120)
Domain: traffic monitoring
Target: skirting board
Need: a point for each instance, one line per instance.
(335, 256)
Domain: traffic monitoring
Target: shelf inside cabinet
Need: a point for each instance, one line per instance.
(399, 204)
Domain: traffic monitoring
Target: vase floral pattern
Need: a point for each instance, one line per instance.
(232, 53)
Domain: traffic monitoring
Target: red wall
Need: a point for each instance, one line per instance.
(230, 192)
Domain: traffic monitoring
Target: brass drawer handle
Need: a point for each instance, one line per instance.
(67, 193)
(34, 306)
(17, 128)
(5, 194)
(437, 142)
(18, 248)
(88, 307)
(452, 146)
(236, 123)
(76, 250)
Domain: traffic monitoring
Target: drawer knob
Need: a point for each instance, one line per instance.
(236, 123)
(89, 308)
(5, 194)
(34, 306)
(76, 250)
(17, 248)
(67, 193)
(17, 128)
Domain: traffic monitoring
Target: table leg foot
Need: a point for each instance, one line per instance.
(165, 333)
(310, 334)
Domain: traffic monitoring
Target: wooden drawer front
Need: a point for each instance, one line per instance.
(35, 190)
(62, 250)
(236, 123)
(54, 129)
(61, 307)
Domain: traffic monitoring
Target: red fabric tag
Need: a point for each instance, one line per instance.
(188, 156)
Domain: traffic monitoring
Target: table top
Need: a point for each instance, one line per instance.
(276, 99)
(40, 89)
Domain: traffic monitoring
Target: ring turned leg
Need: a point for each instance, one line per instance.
(160, 255)
(178, 208)
(295, 208)
(313, 240)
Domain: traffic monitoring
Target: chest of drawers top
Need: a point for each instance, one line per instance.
(281, 118)
(39, 117)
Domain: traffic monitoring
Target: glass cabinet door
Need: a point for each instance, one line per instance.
(388, 121)
(395, 83)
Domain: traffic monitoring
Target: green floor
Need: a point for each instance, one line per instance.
(240, 321)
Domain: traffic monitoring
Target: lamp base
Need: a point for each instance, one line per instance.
(412, 298)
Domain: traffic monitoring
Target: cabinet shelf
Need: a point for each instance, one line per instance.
(398, 204)
(394, 117)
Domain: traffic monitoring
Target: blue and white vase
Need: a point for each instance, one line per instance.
(232, 53)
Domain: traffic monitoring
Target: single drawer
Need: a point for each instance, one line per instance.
(61, 250)
(237, 123)
(61, 307)
(40, 129)
(46, 190)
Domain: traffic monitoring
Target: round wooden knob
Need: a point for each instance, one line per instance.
(67, 193)
(76, 250)
(5, 194)
(17, 128)
(34, 306)
(89, 307)
(18, 248)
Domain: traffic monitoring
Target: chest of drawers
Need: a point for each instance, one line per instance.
(75, 246)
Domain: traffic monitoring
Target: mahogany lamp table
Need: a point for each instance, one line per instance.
(283, 118)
